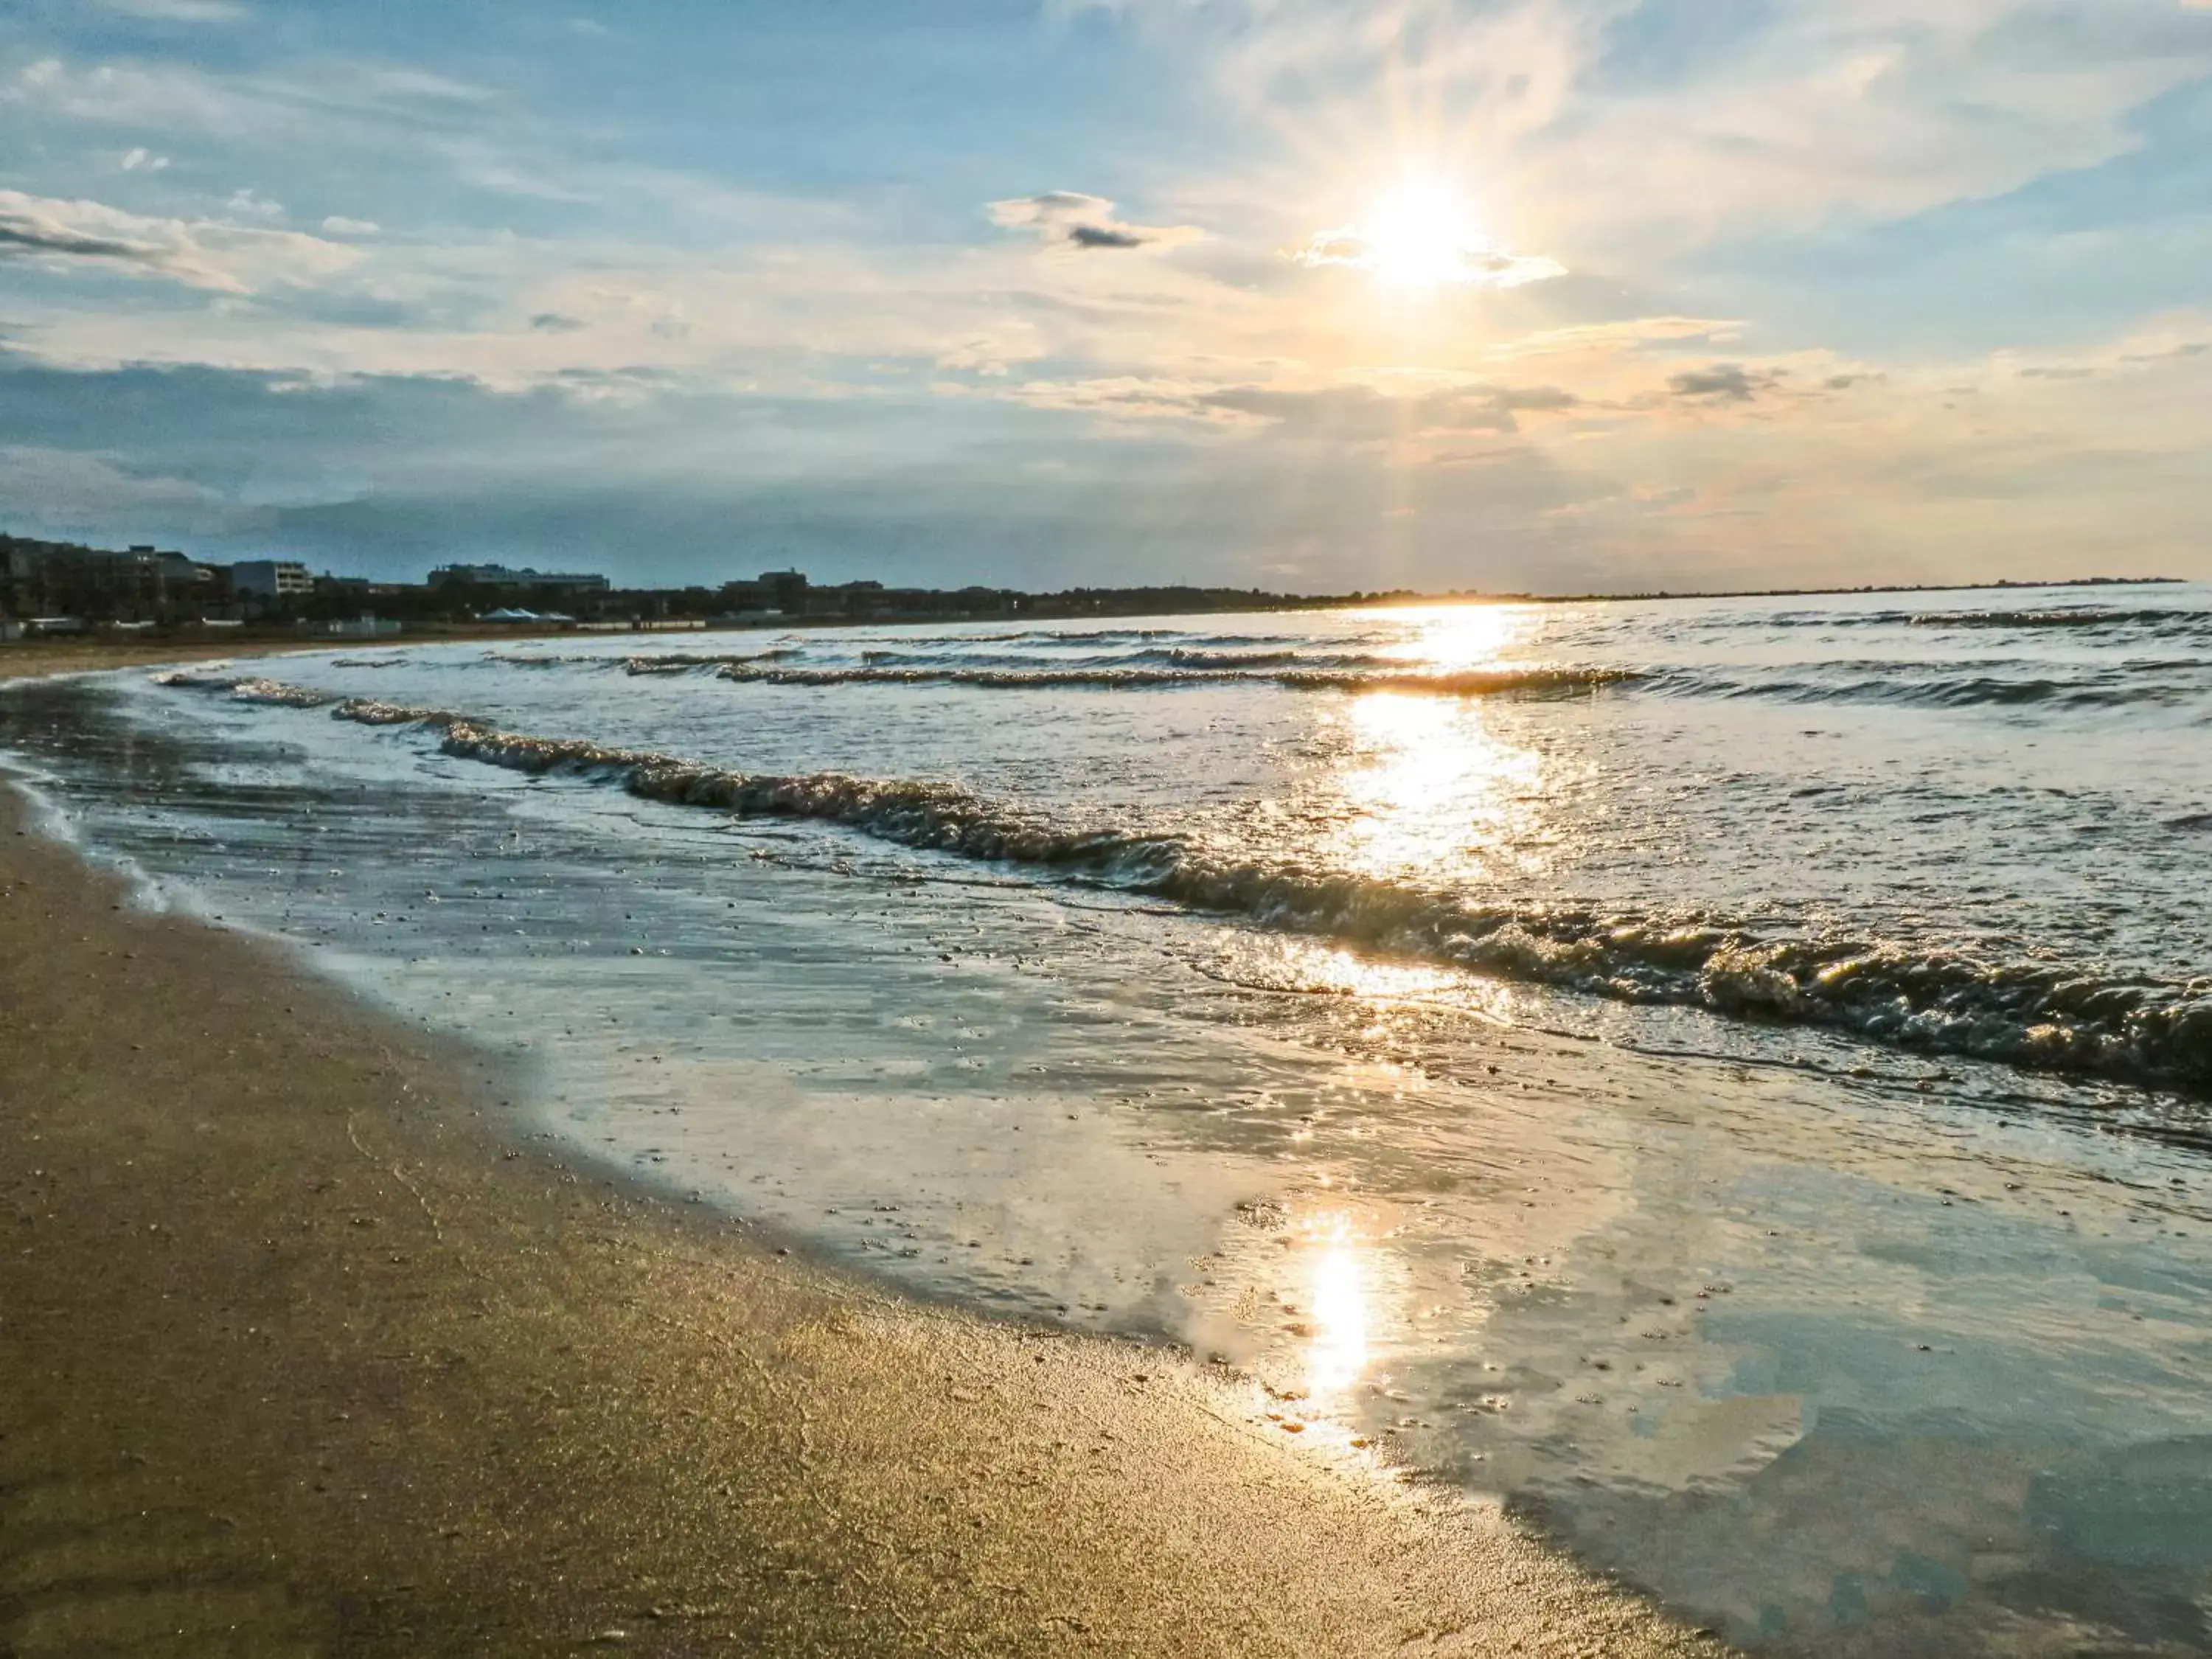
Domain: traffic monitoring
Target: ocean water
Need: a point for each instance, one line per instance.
(1730, 1078)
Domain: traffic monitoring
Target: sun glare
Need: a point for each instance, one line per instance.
(1419, 236)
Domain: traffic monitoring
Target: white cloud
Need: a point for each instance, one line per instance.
(200, 253)
(139, 159)
(318, 102)
(180, 12)
(339, 225)
(259, 207)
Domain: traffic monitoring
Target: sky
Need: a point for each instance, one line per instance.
(1550, 295)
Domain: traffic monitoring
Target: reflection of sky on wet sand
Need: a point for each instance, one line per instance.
(1800, 1387)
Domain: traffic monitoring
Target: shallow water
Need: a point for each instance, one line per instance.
(1729, 1077)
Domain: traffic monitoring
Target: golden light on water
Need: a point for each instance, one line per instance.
(1446, 639)
(1434, 792)
(1333, 968)
(1427, 788)
(1338, 1304)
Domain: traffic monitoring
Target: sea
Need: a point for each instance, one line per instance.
(1730, 1080)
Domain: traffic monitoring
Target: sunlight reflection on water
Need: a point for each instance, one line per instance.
(1429, 791)
(1339, 1352)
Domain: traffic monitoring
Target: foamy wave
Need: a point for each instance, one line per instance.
(1477, 683)
(2122, 686)
(2159, 619)
(670, 663)
(249, 688)
(2032, 1013)
(1186, 657)
(685, 663)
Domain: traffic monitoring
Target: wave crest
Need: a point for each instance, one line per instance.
(2034, 1013)
(1474, 683)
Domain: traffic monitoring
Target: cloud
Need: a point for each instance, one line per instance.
(206, 254)
(315, 107)
(1105, 236)
(1067, 218)
(139, 159)
(246, 201)
(339, 225)
(1359, 412)
(180, 12)
(25, 234)
(61, 492)
(1465, 263)
(1627, 335)
(552, 322)
(1722, 383)
(1338, 414)
(2186, 348)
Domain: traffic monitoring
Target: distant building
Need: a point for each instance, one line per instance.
(773, 592)
(57, 579)
(499, 575)
(785, 589)
(270, 579)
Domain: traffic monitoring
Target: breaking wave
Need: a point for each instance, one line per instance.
(2129, 685)
(1491, 682)
(2156, 619)
(247, 688)
(2176, 621)
(1138, 672)
(2035, 1013)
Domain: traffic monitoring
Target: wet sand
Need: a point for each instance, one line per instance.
(303, 1353)
(24, 659)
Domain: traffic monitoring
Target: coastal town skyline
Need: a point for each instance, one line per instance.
(49, 588)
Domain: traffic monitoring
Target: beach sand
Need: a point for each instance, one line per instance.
(25, 659)
(305, 1350)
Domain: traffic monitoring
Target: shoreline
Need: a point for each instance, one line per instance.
(317, 1355)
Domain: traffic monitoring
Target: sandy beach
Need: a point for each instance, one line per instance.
(308, 1352)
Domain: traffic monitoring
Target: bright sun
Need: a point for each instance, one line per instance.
(1419, 236)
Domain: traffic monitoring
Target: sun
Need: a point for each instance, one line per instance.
(1419, 236)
